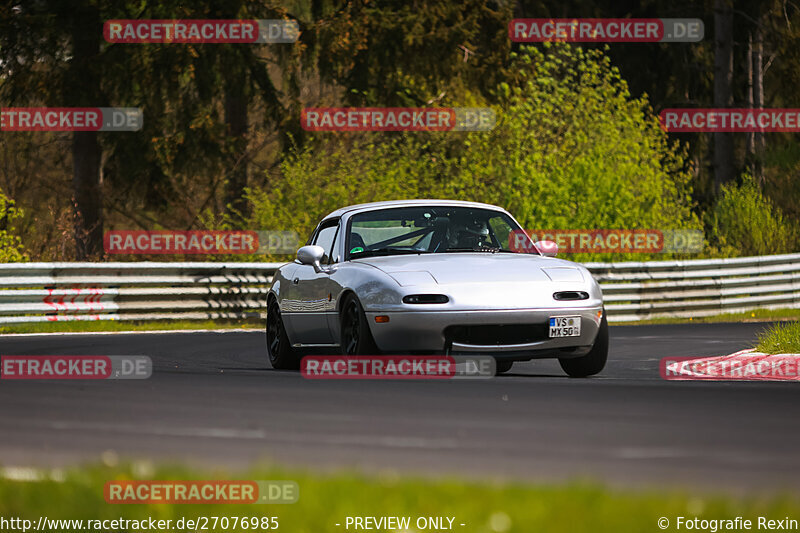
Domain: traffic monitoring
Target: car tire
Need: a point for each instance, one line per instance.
(594, 361)
(503, 366)
(281, 354)
(355, 338)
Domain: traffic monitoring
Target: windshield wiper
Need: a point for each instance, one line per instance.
(385, 251)
(476, 249)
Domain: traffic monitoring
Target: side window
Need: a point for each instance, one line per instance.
(325, 239)
(500, 231)
(335, 251)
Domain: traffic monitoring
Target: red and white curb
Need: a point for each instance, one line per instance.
(745, 365)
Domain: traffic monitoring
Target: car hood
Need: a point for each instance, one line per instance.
(476, 267)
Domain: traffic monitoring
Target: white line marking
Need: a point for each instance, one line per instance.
(260, 434)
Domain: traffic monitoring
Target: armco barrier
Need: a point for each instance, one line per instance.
(696, 288)
(44, 292)
(48, 292)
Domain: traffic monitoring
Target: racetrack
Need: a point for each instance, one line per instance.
(213, 400)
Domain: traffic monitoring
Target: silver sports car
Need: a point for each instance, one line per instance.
(419, 277)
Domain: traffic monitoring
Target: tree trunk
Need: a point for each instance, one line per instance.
(83, 90)
(750, 135)
(236, 102)
(758, 102)
(723, 94)
(87, 196)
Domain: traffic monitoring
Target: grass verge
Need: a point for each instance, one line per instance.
(780, 338)
(325, 501)
(757, 315)
(113, 325)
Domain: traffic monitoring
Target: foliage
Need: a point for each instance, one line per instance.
(575, 127)
(11, 249)
(393, 53)
(571, 149)
(745, 222)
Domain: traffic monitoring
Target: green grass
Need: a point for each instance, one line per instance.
(780, 338)
(113, 325)
(757, 315)
(325, 500)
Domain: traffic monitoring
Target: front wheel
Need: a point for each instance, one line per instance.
(594, 361)
(356, 338)
(280, 352)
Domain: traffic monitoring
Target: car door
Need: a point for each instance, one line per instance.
(310, 294)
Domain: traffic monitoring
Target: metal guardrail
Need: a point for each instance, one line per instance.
(696, 288)
(47, 292)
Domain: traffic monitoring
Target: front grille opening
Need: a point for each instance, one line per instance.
(571, 295)
(496, 334)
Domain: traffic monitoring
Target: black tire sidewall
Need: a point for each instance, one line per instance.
(285, 358)
(593, 362)
(366, 345)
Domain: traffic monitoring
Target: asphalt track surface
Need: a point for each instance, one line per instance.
(213, 400)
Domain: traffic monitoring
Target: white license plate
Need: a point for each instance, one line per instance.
(565, 326)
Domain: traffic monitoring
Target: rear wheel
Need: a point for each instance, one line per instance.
(594, 361)
(356, 338)
(280, 352)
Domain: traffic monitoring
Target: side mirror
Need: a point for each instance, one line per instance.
(546, 248)
(312, 255)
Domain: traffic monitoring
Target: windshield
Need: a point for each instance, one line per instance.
(429, 229)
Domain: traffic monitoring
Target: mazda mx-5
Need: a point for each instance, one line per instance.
(418, 277)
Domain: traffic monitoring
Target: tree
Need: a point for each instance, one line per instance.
(386, 53)
(723, 89)
(573, 150)
(196, 101)
(242, 74)
(50, 54)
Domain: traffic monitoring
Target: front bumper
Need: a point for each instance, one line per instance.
(430, 331)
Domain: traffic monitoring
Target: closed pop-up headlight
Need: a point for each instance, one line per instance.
(426, 299)
(571, 295)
